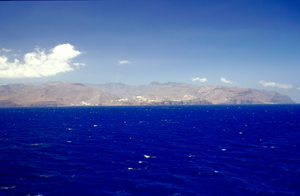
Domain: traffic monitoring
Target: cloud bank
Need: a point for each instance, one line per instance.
(226, 81)
(274, 84)
(39, 63)
(124, 62)
(199, 79)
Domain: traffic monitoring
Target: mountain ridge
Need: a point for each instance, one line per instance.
(110, 94)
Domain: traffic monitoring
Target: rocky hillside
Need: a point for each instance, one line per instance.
(52, 94)
(74, 94)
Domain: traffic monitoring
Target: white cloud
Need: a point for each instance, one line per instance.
(39, 63)
(274, 84)
(199, 79)
(6, 50)
(124, 62)
(79, 64)
(226, 81)
(298, 88)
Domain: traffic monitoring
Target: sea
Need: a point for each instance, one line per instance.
(150, 150)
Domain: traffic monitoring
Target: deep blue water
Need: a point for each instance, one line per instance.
(166, 150)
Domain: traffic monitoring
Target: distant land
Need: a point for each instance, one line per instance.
(117, 94)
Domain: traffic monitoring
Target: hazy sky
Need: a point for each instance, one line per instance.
(246, 43)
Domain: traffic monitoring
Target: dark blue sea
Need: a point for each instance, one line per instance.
(161, 150)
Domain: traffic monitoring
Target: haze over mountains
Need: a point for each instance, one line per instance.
(77, 94)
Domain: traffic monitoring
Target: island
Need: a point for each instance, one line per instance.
(118, 94)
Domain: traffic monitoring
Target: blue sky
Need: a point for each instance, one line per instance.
(248, 43)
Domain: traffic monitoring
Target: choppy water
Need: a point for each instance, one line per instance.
(189, 150)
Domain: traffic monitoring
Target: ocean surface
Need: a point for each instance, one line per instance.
(161, 150)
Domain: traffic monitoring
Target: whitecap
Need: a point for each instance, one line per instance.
(7, 187)
(45, 176)
(36, 144)
(147, 156)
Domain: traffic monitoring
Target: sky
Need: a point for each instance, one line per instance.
(247, 43)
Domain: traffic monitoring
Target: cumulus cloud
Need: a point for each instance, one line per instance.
(199, 79)
(274, 84)
(226, 81)
(40, 63)
(124, 62)
(6, 50)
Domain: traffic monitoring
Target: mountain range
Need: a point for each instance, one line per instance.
(113, 94)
